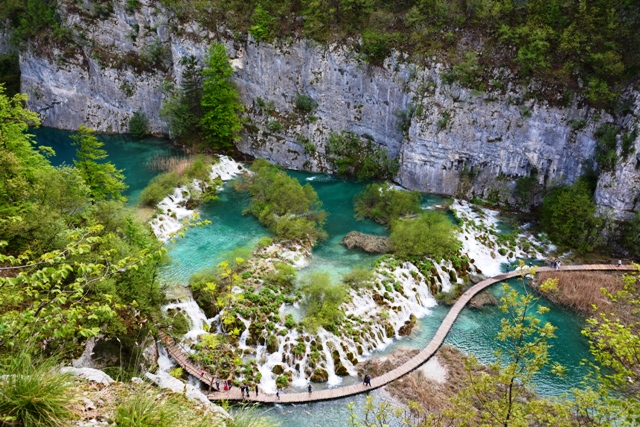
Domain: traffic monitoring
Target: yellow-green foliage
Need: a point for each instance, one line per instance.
(430, 234)
(322, 300)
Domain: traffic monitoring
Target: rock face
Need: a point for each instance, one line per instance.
(367, 242)
(449, 139)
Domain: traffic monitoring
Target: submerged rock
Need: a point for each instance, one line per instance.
(367, 242)
(482, 299)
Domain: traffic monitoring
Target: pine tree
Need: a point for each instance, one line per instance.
(220, 122)
(104, 180)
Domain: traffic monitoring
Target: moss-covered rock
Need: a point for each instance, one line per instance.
(272, 344)
(408, 326)
(320, 376)
(388, 329)
(278, 369)
(340, 370)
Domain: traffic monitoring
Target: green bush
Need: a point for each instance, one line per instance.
(283, 276)
(274, 125)
(606, 148)
(34, 394)
(430, 234)
(359, 278)
(279, 202)
(322, 300)
(139, 125)
(265, 242)
(159, 188)
(383, 203)
(200, 169)
(263, 24)
(305, 103)
(352, 155)
(146, 408)
(568, 215)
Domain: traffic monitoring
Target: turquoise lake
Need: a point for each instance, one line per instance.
(473, 332)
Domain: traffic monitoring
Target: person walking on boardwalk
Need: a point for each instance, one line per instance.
(367, 380)
(309, 388)
(256, 390)
(619, 262)
(217, 384)
(278, 393)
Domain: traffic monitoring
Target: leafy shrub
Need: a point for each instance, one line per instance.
(34, 394)
(305, 103)
(607, 142)
(322, 300)
(156, 55)
(568, 215)
(274, 125)
(282, 204)
(265, 242)
(139, 125)
(199, 169)
(627, 142)
(359, 157)
(146, 408)
(358, 278)
(263, 24)
(430, 234)
(289, 322)
(283, 276)
(159, 188)
(383, 203)
(376, 46)
(177, 372)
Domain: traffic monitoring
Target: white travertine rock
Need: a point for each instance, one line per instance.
(89, 374)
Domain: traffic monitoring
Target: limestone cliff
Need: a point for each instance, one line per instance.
(450, 139)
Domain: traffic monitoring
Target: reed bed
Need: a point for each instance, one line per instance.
(166, 163)
(580, 291)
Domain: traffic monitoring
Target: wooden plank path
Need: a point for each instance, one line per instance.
(425, 354)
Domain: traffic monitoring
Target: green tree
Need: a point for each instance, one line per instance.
(430, 234)
(221, 107)
(568, 215)
(383, 203)
(499, 397)
(183, 110)
(279, 202)
(139, 125)
(104, 180)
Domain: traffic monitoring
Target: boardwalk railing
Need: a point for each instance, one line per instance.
(425, 354)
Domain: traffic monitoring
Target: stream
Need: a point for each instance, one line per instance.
(473, 332)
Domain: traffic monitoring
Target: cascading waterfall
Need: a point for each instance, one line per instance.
(377, 312)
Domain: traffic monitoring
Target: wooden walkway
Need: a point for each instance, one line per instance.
(234, 394)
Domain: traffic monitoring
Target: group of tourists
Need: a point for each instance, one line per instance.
(554, 264)
(246, 390)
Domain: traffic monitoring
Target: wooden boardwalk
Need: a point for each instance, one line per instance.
(335, 393)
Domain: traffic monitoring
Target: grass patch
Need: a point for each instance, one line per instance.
(580, 291)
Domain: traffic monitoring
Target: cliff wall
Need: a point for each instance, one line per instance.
(450, 140)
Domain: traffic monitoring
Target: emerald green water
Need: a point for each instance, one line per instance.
(473, 332)
(131, 155)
